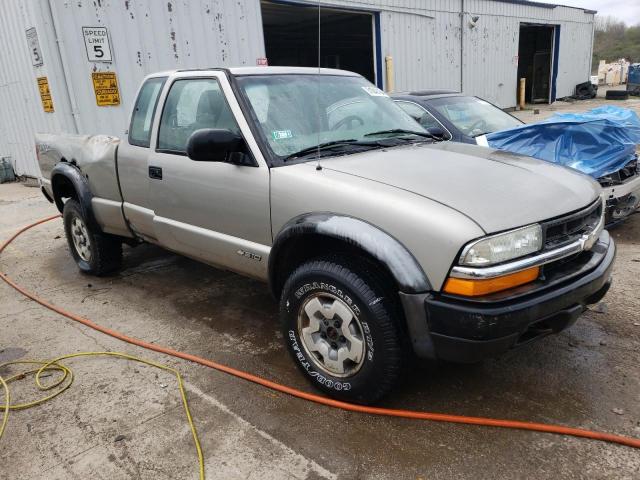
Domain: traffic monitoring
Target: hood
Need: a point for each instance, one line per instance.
(498, 190)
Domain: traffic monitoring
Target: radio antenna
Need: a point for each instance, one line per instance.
(318, 166)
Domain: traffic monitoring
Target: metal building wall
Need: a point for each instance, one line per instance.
(491, 48)
(21, 112)
(422, 36)
(149, 36)
(146, 36)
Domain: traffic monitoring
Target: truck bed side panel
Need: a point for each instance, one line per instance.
(95, 157)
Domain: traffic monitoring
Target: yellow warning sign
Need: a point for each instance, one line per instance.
(45, 94)
(105, 84)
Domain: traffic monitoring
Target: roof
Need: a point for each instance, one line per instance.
(530, 3)
(423, 95)
(261, 71)
(430, 93)
(289, 70)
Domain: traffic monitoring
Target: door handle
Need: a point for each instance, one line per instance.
(155, 172)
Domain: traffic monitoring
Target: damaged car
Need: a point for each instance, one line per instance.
(601, 143)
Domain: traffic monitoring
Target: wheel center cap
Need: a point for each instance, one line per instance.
(332, 333)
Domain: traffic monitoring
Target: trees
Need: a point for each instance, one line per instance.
(614, 40)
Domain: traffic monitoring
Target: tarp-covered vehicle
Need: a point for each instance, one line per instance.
(601, 142)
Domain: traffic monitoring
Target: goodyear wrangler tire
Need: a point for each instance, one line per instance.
(339, 326)
(95, 253)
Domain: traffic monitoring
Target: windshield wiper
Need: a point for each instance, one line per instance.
(402, 130)
(479, 134)
(334, 144)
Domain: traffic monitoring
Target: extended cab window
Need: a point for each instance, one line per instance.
(193, 104)
(142, 118)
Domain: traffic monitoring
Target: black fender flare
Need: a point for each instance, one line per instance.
(80, 185)
(379, 244)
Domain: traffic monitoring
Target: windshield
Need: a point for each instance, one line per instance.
(474, 117)
(298, 112)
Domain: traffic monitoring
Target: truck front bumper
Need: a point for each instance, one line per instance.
(452, 328)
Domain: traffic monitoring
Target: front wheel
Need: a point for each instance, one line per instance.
(341, 327)
(95, 253)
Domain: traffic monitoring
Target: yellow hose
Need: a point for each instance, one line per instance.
(66, 379)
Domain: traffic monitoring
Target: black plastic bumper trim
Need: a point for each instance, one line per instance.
(467, 331)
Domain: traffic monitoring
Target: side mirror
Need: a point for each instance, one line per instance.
(216, 145)
(438, 132)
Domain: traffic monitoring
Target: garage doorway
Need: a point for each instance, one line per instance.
(347, 37)
(536, 59)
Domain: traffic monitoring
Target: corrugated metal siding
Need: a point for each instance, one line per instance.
(21, 112)
(148, 36)
(422, 36)
(490, 59)
(491, 48)
(574, 61)
(425, 51)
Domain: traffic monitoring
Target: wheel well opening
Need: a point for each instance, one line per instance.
(62, 188)
(302, 248)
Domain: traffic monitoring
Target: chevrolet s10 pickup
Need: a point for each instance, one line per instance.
(381, 243)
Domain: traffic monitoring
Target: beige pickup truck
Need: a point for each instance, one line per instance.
(380, 242)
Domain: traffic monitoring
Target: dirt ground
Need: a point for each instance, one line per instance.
(122, 420)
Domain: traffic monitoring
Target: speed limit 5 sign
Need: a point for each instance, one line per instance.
(96, 41)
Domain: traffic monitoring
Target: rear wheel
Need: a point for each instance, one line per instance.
(341, 327)
(95, 253)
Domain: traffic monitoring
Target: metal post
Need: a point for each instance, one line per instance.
(461, 45)
(390, 84)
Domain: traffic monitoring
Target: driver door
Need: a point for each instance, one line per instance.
(213, 211)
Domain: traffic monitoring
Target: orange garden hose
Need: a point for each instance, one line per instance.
(437, 417)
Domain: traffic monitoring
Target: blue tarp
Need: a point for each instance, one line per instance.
(598, 142)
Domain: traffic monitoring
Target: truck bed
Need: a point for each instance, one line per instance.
(94, 155)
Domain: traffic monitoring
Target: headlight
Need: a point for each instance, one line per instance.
(502, 247)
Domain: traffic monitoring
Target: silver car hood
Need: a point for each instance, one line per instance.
(497, 190)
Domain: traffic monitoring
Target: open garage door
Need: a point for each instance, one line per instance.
(291, 37)
(536, 51)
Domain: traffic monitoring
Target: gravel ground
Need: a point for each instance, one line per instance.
(124, 421)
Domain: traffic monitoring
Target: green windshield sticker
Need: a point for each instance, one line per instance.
(281, 134)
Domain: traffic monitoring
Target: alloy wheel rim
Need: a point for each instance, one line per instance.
(80, 237)
(332, 335)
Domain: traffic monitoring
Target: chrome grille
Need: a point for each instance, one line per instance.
(563, 230)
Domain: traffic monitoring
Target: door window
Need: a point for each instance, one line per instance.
(142, 118)
(193, 104)
(419, 114)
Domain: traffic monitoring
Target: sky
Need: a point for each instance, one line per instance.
(625, 10)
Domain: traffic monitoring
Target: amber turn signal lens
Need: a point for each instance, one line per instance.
(475, 288)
